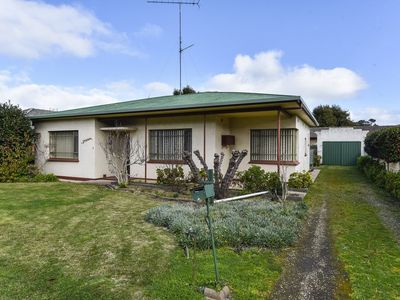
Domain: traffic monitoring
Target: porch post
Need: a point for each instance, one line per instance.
(278, 146)
(145, 150)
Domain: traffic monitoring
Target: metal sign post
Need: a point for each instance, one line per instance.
(206, 192)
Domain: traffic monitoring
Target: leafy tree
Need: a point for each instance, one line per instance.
(370, 122)
(332, 116)
(186, 90)
(16, 143)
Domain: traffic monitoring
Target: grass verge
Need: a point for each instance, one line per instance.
(367, 250)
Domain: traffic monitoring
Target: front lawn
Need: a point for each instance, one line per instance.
(65, 241)
(78, 241)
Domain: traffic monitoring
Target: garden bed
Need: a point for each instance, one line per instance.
(259, 223)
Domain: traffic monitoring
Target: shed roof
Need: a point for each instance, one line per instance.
(202, 100)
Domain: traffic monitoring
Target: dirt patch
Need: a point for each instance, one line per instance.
(311, 269)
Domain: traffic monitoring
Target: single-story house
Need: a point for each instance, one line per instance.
(275, 129)
(340, 145)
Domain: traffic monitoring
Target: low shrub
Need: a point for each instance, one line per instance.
(392, 184)
(45, 178)
(300, 180)
(172, 176)
(376, 172)
(373, 169)
(39, 177)
(241, 224)
(255, 179)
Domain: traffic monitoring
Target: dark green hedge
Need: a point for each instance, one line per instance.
(384, 144)
(376, 172)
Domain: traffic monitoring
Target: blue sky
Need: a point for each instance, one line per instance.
(64, 54)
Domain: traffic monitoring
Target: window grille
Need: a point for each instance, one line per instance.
(169, 144)
(263, 144)
(64, 144)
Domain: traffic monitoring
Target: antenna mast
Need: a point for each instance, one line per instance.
(181, 49)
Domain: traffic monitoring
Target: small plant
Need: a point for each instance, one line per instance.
(172, 176)
(300, 180)
(317, 160)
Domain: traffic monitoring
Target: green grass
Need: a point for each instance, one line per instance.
(365, 248)
(250, 274)
(78, 241)
(75, 241)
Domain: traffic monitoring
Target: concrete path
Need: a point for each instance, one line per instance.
(310, 272)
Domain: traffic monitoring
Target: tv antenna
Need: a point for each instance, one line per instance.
(181, 49)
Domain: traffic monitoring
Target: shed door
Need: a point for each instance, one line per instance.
(340, 153)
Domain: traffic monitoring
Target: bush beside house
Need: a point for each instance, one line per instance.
(17, 147)
(383, 148)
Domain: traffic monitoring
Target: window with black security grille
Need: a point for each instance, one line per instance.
(168, 145)
(264, 142)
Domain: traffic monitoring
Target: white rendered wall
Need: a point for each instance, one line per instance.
(340, 134)
(92, 162)
(85, 168)
(240, 128)
(303, 145)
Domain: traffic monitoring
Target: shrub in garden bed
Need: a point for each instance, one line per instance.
(40, 177)
(255, 179)
(300, 180)
(260, 223)
(172, 176)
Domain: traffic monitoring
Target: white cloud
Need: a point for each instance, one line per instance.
(381, 115)
(149, 30)
(265, 73)
(20, 90)
(32, 29)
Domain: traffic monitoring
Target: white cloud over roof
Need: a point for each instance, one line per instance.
(265, 73)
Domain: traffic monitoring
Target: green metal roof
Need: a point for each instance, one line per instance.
(198, 100)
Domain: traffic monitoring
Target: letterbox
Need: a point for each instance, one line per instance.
(206, 190)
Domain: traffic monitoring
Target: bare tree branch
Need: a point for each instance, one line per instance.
(221, 184)
(122, 152)
(201, 159)
(188, 159)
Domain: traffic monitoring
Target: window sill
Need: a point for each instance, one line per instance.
(64, 159)
(274, 162)
(166, 162)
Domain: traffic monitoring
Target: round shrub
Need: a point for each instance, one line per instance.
(300, 180)
(255, 179)
(384, 144)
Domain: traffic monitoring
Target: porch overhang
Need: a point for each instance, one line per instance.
(121, 128)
